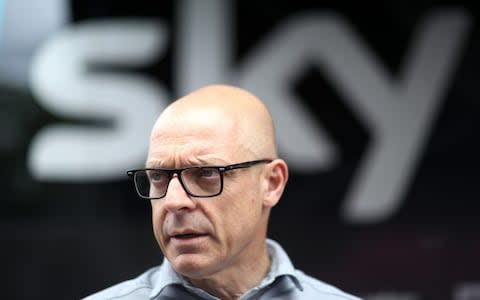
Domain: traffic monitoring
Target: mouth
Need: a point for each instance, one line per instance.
(187, 235)
(184, 241)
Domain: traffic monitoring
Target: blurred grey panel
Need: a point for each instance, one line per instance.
(26, 24)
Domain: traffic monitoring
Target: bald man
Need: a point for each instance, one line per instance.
(212, 176)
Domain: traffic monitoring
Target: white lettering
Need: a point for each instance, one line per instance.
(63, 85)
(204, 44)
(398, 112)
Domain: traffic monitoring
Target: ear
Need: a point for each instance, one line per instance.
(275, 179)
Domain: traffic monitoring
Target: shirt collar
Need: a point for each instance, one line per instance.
(165, 276)
(281, 266)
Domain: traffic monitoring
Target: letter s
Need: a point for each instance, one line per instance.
(64, 85)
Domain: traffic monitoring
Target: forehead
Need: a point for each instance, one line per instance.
(191, 139)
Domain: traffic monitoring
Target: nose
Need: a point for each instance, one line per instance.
(176, 199)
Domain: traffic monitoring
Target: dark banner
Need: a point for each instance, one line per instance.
(376, 110)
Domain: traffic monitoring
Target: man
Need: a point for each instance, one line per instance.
(212, 176)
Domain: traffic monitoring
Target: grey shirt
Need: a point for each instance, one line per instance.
(282, 282)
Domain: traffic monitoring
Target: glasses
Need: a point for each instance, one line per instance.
(201, 181)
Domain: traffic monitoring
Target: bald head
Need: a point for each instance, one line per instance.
(217, 125)
(233, 114)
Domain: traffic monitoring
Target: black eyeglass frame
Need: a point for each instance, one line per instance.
(170, 172)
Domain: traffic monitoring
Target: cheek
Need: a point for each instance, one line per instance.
(240, 209)
(157, 220)
(246, 198)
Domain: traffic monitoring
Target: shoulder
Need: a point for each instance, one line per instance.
(317, 289)
(137, 288)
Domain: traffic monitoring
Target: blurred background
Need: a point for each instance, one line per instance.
(376, 108)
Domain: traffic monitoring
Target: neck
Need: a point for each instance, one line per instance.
(235, 281)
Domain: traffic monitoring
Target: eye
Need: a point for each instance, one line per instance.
(157, 176)
(203, 173)
(206, 172)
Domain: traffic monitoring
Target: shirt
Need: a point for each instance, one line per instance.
(283, 281)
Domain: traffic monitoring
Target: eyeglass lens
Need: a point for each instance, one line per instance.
(201, 182)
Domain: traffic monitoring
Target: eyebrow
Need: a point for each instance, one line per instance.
(158, 164)
(153, 164)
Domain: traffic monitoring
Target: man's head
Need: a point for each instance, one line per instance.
(216, 126)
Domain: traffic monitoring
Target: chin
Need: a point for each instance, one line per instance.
(191, 265)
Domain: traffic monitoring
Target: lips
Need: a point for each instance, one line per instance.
(187, 241)
(186, 235)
